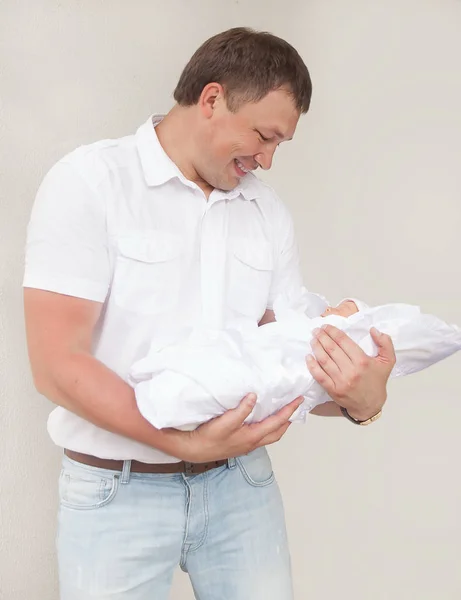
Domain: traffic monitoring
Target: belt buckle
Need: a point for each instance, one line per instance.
(189, 468)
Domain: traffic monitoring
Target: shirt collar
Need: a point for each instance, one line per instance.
(158, 168)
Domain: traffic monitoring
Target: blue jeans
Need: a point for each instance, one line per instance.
(121, 535)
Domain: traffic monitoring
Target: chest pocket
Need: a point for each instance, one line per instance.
(147, 275)
(250, 276)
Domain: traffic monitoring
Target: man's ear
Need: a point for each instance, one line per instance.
(210, 98)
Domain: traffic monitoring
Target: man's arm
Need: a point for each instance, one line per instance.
(59, 334)
(268, 317)
(327, 409)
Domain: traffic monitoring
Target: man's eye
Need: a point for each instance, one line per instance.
(264, 139)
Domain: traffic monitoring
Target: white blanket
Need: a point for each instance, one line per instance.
(203, 372)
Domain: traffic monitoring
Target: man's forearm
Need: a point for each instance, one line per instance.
(328, 409)
(86, 387)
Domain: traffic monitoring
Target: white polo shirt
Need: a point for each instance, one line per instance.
(116, 222)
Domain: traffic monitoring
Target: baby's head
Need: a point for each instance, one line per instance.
(345, 309)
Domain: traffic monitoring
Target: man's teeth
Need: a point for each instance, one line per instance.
(240, 166)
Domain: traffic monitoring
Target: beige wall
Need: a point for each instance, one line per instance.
(373, 179)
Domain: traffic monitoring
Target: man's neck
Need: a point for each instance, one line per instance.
(179, 147)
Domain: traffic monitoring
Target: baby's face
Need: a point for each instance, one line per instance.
(345, 309)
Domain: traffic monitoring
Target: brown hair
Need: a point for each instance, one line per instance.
(248, 64)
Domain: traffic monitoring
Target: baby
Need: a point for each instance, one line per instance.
(346, 308)
(206, 372)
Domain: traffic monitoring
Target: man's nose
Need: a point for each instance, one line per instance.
(265, 158)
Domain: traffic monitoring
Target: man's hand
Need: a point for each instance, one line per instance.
(351, 378)
(228, 436)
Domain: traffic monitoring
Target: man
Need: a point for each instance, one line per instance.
(126, 241)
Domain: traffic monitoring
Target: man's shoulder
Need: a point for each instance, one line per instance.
(94, 161)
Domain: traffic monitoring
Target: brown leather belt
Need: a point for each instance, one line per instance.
(139, 467)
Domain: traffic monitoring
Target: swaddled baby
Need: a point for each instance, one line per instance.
(205, 372)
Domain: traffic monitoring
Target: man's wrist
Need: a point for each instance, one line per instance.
(177, 443)
(361, 415)
(364, 415)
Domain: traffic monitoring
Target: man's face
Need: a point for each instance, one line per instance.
(235, 143)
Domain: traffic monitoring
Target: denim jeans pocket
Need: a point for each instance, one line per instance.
(86, 490)
(256, 467)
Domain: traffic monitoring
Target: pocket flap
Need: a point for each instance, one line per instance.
(159, 247)
(257, 255)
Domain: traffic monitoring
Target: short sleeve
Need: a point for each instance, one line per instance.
(287, 271)
(67, 243)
